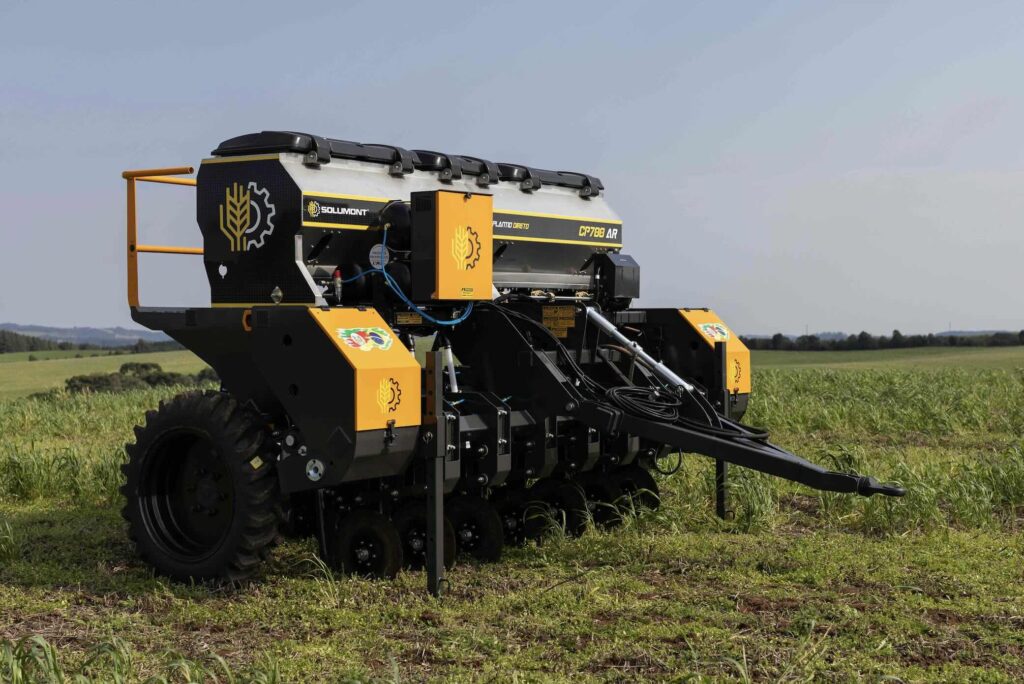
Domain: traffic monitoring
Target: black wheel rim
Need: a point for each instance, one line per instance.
(415, 542)
(364, 555)
(602, 504)
(186, 496)
(467, 534)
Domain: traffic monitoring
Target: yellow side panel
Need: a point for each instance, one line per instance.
(464, 246)
(737, 357)
(387, 374)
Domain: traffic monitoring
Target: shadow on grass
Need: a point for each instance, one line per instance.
(85, 548)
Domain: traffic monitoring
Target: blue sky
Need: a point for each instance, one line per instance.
(835, 166)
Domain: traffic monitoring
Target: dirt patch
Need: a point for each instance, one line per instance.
(941, 616)
(802, 503)
(763, 604)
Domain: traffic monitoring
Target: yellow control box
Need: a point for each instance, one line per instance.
(452, 243)
(464, 246)
(387, 376)
(711, 329)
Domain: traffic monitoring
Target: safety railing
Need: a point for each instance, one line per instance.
(167, 176)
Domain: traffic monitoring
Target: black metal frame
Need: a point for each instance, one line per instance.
(433, 431)
(722, 467)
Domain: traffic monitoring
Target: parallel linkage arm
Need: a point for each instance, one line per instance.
(166, 176)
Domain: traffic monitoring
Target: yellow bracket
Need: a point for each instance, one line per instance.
(166, 176)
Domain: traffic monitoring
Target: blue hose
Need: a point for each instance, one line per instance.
(393, 284)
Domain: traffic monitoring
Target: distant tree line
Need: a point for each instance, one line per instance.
(897, 340)
(16, 342)
(13, 342)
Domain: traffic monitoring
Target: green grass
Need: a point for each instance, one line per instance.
(22, 377)
(798, 586)
(923, 358)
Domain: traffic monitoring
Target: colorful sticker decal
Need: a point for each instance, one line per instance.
(389, 395)
(716, 332)
(365, 339)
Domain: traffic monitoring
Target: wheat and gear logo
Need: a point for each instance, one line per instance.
(366, 339)
(313, 208)
(465, 248)
(246, 216)
(389, 395)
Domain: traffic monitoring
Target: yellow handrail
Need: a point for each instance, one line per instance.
(151, 176)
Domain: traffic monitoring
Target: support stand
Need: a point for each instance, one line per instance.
(721, 467)
(433, 435)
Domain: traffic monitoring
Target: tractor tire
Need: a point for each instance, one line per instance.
(555, 502)
(366, 544)
(411, 522)
(639, 485)
(201, 496)
(604, 496)
(478, 528)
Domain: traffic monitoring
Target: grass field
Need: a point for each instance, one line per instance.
(797, 586)
(19, 377)
(924, 358)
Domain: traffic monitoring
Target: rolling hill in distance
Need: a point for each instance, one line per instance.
(101, 337)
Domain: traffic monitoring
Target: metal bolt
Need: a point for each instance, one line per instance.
(303, 450)
(482, 479)
(428, 437)
(314, 470)
(289, 440)
(570, 407)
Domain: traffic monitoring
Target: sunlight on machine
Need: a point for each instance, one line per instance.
(540, 394)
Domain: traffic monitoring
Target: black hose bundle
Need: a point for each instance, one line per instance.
(653, 403)
(646, 402)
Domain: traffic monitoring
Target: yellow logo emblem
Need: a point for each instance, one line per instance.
(389, 395)
(246, 216)
(465, 248)
(313, 208)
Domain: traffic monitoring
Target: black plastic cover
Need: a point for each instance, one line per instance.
(321, 150)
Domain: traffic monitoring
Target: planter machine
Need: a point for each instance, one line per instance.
(330, 263)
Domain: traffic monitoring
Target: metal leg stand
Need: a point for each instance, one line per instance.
(721, 467)
(434, 443)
